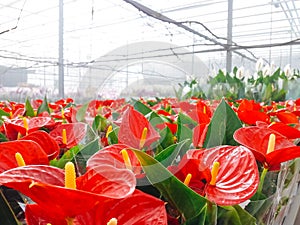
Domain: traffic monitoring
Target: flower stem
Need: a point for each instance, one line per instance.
(262, 179)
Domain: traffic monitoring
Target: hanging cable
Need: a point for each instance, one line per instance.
(17, 23)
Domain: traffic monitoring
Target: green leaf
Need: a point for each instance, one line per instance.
(222, 126)
(80, 115)
(166, 137)
(66, 157)
(178, 195)
(113, 136)
(142, 108)
(7, 216)
(3, 113)
(84, 154)
(44, 107)
(99, 124)
(185, 119)
(207, 217)
(79, 153)
(199, 219)
(154, 118)
(230, 79)
(276, 74)
(3, 138)
(234, 215)
(279, 95)
(211, 214)
(96, 124)
(184, 133)
(168, 155)
(267, 93)
(259, 208)
(29, 109)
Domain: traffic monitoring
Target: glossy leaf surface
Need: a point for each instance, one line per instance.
(222, 126)
(185, 200)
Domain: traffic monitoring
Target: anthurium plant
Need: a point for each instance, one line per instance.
(177, 161)
(266, 83)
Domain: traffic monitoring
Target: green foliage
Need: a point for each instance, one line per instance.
(44, 107)
(80, 115)
(183, 199)
(80, 153)
(222, 126)
(169, 155)
(29, 109)
(265, 85)
(189, 89)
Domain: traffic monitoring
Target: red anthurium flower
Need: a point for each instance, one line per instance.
(172, 126)
(250, 112)
(75, 132)
(163, 112)
(111, 155)
(199, 112)
(286, 130)
(132, 129)
(246, 104)
(169, 121)
(17, 125)
(31, 152)
(237, 179)
(48, 144)
(287, 117)
(200, 173)
(251, 117)
(45, 185)
(36, 103)
(16, 109)
(257, 138)
(136, 209)
(64, 102)
(199, 134)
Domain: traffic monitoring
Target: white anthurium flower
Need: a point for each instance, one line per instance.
(259, 64)
(255, 75)
(190, 78)
(224, 71)
(266, 71)
(288, 71)
(273, 67)
(240, 73)
(185, 90)
(247, 74)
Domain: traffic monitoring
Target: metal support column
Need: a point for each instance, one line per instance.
(61, 50)
(229, 37)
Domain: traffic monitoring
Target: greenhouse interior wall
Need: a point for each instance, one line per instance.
(97, 49)
(111, 49)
